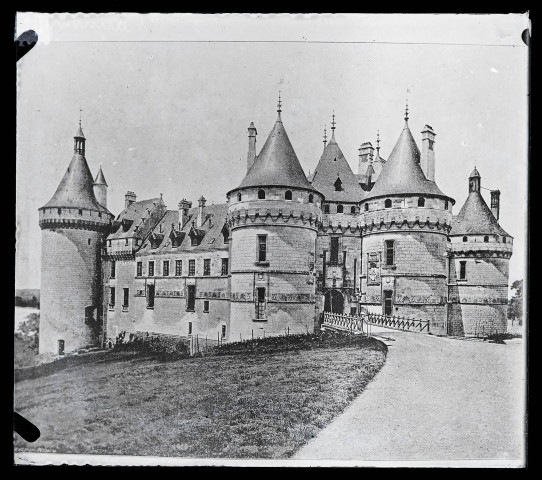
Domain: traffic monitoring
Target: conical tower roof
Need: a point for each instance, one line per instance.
(333, 165)
(100, 178)
(276, 164)
(79, 133)
(402, 173)
(75, 189)
(475, 218)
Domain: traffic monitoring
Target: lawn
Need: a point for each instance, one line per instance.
(248, 405)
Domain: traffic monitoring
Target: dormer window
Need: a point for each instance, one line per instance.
(387, 203)
(239, 197)
(311, 197)
(288, 195)
(261, 194)
(338, 185)
(421, 202)
(339, 208)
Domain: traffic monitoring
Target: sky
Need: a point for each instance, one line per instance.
(167, 99)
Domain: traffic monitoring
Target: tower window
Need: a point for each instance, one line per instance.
(338, 185)
(89, 241)
(260, 303)
(59, 211)
(223, 331)
(352, 210)
(80, 212)
(421, 202)
(366, 207)
(100, 214)
(111, 297)
(288, 195)
(462, 270)
(224, 266)
(178, 267)
(125, 297)
(165, 268)
(139, 270)
(390, 252)
(464, 239)
(207, 267)
(205, 306)
(189, 328)
(150, 296)
(239, 197)
(486, 239)
(387, 203)
(334, 251)
(61, 347)
(339, 208)
(503, 239)
(191, 298)
(445, 204)
(191, 268)
(326, 208)
(311, 197)
(112, 269)
(262, 248)
(151, 269)
(261, 194)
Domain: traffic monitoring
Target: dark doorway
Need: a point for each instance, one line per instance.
(388, 305)
(334, 302)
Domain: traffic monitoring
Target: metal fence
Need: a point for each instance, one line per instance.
(359, 323)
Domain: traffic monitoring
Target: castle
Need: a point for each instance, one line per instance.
(284, 248)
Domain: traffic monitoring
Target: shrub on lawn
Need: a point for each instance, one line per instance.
(156, 345)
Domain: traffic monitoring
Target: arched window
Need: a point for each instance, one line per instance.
(353, 210)
(486, 239)
(464, 239)
(366, 207)
(311, 197)
(339, 208)
(445, 204)
(261, 194)
(288, 195)
(421, 202)
(239, 197)
(326, 208)
(387, 203)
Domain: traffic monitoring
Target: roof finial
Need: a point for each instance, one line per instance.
(378, 141)
(333, 125)
(406, 108)
(325, 135)
(279, 109)
(80, 110)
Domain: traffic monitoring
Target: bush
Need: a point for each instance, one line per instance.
(157, 345)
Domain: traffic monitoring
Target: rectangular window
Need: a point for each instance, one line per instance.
(462, 270)
(139, 272)
(151, 269)
(150, 296)
(178, 268)
(260, 303)
(166, 268)
(189, 328)
(388, 302)
(262, 248)
(111, 296)
(61, 347)
(207, 267)
(191, 268)
(223, 331)
(126, 242)
(205, 306)
(390, 252)
(113, 268)
(224, 266)
(125, 297)
(191, 298)
(334, 251)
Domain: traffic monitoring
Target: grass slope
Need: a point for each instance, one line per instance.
(236, 406)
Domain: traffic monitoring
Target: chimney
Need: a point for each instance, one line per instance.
(252, 132)
(129, 198)
(427, 160)
(184, 207)
(495, 203)
(201, 206)
(365, 154)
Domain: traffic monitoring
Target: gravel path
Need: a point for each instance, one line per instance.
(435, 398)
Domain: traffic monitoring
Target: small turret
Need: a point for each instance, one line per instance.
(428, 153)
(474, 181)
(366, 151)
(100, 188)
(251, 156)
(184, 207)
(201, 210)
(129, 198)
(495, 203)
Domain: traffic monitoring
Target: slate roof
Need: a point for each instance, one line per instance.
(132, 218)
(333, 165)
(402, 173)
(476, 218)
(75, 189)
(79, 133)
(276, 164)
(100, 179)
(211, 228)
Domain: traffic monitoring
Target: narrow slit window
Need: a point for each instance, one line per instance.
(139, 271)
(390, 252)
(191, 268)
(260, 303)
(125, 297)
(311, 197)
(462, 270)
(151, 269)
(205, 306)
(166, 268)
(262, 248)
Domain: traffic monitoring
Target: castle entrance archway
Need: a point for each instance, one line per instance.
(333, 301)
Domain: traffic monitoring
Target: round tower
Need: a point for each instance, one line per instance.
(273, 217)
(480, 251)
(406, 220)
(73, 225)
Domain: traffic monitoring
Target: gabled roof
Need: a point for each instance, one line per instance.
(402, 173)
(475, 218)
(132, 218)
(75, 189)
(276, 164)
(100, 179)
(332, 166)
(211, 231)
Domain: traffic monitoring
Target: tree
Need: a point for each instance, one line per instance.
(515, 305)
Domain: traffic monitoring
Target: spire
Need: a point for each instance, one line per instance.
(474, 181)
(100, 178)
(279, 108)
(79, 138)
(333, 126)
(325, 136)
(406, 108)
(378, 143)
